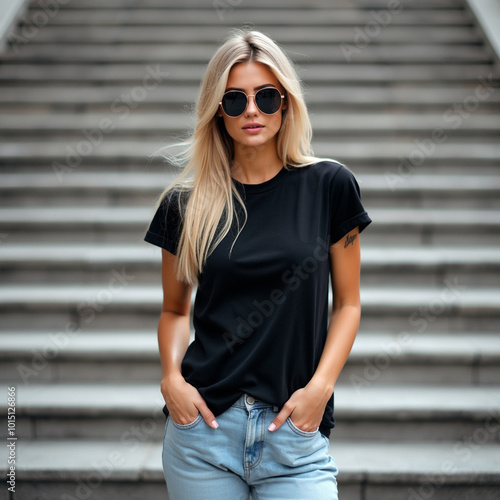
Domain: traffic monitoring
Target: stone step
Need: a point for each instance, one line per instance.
(227, 17)
(403, 414)
(411, 358)
(363, 98)
(260, 4)
(91, 263)
(402, 190)
(131, 468)
(208, 34)
(120, 302)
(99, 146)
(160, 125)
(153, 184)
(354, 74)
(396, 172)
(467, 359)
(320, 53)
(405, 226)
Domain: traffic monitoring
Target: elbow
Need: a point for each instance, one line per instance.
(351, 308)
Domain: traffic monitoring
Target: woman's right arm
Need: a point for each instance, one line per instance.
(183, 400)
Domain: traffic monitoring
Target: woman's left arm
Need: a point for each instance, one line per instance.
(306, 406)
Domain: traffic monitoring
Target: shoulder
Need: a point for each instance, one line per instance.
(327, 171)
(175, 198)
(173, 203)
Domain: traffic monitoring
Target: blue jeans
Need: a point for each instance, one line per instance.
(242, 457)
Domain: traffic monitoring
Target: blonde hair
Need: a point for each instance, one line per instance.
(209, 207)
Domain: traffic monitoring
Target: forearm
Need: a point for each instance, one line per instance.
(182, 399)
(342, 331)
(173, 341)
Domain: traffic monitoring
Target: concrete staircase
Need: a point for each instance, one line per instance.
(408, 99)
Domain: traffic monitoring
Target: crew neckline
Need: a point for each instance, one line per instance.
(263, 186)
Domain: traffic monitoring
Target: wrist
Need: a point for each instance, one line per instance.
(171, 377)
(322, 385)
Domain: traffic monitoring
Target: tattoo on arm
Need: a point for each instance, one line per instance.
(349, 240)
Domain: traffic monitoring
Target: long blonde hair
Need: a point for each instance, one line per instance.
(209, 207)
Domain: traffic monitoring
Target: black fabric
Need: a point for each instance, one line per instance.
(261, 314)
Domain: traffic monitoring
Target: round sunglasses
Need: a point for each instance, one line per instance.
(268, 100)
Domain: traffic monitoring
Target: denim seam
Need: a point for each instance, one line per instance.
(260, 439)
(192, 424)
(298, 431)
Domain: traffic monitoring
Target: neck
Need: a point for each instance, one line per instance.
(254, 165)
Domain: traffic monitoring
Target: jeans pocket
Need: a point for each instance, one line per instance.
(184, 427)
(298, 431)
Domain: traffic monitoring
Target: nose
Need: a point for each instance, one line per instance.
(252, 108)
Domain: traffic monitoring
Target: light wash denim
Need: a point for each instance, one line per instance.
(242, 457)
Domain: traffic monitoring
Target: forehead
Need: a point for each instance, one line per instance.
(249, 75)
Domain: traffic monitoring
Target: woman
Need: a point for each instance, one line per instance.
(259, 229)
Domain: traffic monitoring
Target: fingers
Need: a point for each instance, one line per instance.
(183, 399)
(207, 415)
(280, 418)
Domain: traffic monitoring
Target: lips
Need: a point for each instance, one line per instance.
(253, 126)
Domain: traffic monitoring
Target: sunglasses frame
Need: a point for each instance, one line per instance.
(248, 100)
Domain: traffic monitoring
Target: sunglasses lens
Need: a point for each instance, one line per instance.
(268, 100)
(234, 103)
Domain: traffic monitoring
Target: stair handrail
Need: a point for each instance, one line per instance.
(487, 16)
(11, 12)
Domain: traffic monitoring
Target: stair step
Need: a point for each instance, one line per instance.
(388, 168)
(443, 227)
(198, 54)
(46, 296)
(260, 4)
(107, 148)
(154, 183)
(119, 302)
(201, 34)
(330, 125)
(260, 17)
(107, 411)
(400, 259)
(377, 359)
(88, 263)
(113, 96)
(408, 359)
(113, 470)
(353, 74)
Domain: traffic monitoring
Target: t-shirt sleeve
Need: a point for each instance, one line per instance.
(347, 211)
(166, 226)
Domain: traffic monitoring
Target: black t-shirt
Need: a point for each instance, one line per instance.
(261, 313)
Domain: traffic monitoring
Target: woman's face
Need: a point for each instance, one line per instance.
(252, 128)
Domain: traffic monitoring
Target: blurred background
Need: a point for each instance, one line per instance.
(405, 93)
